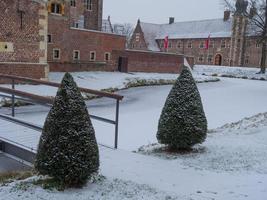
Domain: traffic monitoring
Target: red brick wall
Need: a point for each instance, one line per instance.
(25, 39)
(146, 61)
(36, 71)
(69, 39)
(197, 52)
(79, 67)
(252, 52)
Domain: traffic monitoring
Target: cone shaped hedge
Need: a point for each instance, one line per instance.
(68, 151)
(183, 122)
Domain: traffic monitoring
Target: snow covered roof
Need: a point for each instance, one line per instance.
(216, 28)
(151, 31)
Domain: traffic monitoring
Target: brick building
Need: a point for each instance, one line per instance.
(231, 40)
(23, 30)
(76, 41)
(39, 36)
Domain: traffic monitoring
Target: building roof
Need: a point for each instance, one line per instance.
(216, 28)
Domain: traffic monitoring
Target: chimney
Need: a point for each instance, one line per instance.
(226, 15)
(171, 20)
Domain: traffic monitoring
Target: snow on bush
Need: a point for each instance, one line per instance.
(68, 151)
(183, 122)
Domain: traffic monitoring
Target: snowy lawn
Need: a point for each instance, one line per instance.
(232, 72)
(106, 81)
(231, 164)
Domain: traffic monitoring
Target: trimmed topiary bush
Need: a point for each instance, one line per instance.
(68, 151)
(183, 122)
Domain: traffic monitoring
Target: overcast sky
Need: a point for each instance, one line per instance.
(159, 11)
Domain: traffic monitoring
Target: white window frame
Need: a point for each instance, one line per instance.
(170, 44)
(59, 53)
(74, 54)
(201, 45)
(201, 56)
(210, 58)
(57, 5)
(137, 37)
(109, 56)
(73, 3)
(189, 46)
(91, 55)
(223, 44)
(88, 5)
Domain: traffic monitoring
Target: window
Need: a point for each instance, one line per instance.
(211, 44)
(247, 60)
(179, 45)
(189, 45)
(73, 3)
(137, 37)
(201, 45)
(201, 58)
(56, 8)
(210, 58)
(92, 56)
(160, 45)
(88, 4)
(107, 56)
(49, 38)
(76, 24)
(170, 44)
(223, 44)
(257, 45)
(56, 54)
(76, 55)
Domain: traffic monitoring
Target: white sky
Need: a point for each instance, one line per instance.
(159, 11)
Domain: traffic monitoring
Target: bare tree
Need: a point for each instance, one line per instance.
(125, 29)
(257, 15)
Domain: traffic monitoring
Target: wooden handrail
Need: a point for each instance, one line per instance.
(41, 99)
(53, 84)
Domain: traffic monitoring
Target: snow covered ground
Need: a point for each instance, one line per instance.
(232, 164)
(103, 80)
(234, 72)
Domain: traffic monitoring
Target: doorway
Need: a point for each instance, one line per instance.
(218, 60)
(123, 64)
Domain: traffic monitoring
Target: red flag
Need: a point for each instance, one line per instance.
(207, 43)
(166, 42)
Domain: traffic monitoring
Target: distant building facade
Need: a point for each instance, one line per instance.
(231, 40)
(42, 36)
